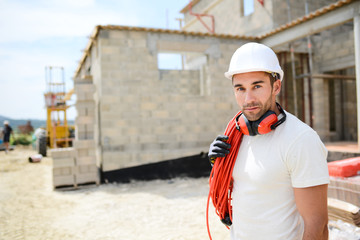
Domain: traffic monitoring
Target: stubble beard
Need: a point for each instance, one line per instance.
(263, 109)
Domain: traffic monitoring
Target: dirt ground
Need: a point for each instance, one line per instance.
(172, 209)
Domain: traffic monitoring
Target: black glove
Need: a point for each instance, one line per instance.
(218, 148)
(226, 220)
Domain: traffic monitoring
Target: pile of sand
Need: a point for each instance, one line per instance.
(172, 209)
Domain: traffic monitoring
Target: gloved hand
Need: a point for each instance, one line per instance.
(218, 148)
(227, 220)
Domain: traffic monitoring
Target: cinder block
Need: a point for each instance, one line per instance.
(63, 180)
(87, 174)
(160, 114)
(84, 120)
(89, 143)
(90, 160)
(84, 152)
(84, 88)
(85, 79)
(148, 106)
(115, 160)
(84, 135)
(118, 35)
(85, 104)
(108, 50)
(63, 171)
(63, 162)
(62, 153)
(86, 112)
(92, 177)
(84, 169)
(85, 127)
(84, 96)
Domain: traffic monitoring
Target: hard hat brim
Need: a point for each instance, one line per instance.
(230, 74)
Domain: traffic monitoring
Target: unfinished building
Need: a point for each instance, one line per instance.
(141, 114)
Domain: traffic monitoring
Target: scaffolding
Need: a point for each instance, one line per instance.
(57, 128)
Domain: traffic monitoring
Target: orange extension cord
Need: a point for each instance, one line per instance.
(221, 180)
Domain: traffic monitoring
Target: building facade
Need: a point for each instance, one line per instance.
(327, 100)
(140, 114)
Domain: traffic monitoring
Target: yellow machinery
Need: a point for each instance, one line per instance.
(58, 132)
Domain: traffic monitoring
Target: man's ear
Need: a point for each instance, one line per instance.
(277, 87)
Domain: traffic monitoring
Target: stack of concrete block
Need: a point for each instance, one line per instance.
(86, 170)
(63, 166)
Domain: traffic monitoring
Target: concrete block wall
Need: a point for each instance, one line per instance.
(186, 82)
(334, 54)
(297, 9)
(229, 18)
(85, 107)
(85, 169)
(349, 106)
(321, 108)
(335, 51)
(149, 115)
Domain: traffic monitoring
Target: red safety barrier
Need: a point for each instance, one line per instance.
(345, 168)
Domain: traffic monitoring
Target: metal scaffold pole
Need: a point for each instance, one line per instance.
(309, 47)
(357, 71)
(293, 65)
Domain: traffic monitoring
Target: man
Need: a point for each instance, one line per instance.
(279, 178)
(6, 133)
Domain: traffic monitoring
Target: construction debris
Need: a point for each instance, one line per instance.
(340, 210)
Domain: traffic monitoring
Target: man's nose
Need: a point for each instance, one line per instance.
(249, 97)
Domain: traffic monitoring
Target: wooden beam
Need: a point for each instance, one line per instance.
(327, 76)
(340, 210)
(329, 20)
(334, 76)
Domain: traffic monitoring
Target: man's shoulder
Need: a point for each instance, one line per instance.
(293, 128)
(295, 134)
(295, 123)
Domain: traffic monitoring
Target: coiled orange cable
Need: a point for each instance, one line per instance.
(221, 181)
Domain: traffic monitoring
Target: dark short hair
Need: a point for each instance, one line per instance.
(273, 77)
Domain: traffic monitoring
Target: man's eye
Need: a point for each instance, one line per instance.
(257, 86)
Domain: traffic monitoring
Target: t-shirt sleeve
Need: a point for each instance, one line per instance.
(306, 161)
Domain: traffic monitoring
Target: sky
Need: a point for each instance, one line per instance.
(39, 33)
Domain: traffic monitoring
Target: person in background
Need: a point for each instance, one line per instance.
(280, 177)
(7, 131)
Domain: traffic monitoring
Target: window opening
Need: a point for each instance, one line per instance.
(248, 7)
(170, 61)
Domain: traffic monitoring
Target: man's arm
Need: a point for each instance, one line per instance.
(312, 205)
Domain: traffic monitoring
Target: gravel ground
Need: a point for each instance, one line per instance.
(174, 209)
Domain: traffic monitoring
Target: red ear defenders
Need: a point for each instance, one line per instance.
(265, 124)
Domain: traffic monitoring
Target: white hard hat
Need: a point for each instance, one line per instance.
(254, 57)
(6, 122)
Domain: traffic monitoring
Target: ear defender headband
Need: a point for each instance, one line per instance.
(265, 124)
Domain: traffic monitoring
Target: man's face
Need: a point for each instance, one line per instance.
(254, 93)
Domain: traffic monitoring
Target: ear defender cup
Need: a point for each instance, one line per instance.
(263, 125)
(244, 125)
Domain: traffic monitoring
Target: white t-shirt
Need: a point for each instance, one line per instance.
(267, 169)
